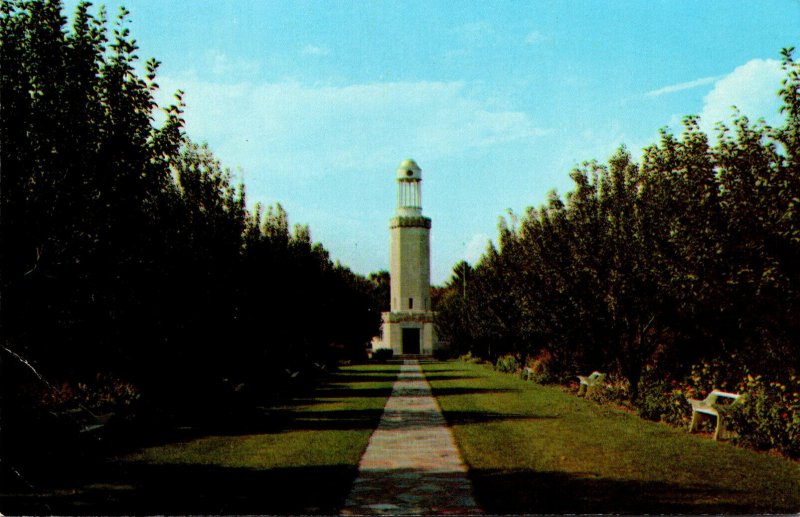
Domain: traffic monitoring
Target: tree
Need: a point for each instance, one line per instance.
(127, 248)
(689, 255)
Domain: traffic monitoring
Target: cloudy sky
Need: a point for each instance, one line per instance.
(313, 104)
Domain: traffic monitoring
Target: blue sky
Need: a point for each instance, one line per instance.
(315, 103)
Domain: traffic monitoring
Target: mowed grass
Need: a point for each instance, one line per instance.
(537, 449)
(298, 458)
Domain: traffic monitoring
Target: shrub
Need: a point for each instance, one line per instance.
(507, 364)
(667, 401)
(540, 368)
(662, 401)
(615, 390)
(719, 374)
(768, 415)
(104, 394)
(540, 376)
(443, 354)
(382, 355)
(469, 358)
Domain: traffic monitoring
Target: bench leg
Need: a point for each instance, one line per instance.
(720, 430)
(582, 389)
(695, 421)
(716, 430)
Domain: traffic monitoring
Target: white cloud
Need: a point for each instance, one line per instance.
(314, 50)
(293, 128)
(682, 86)
(328, 152)
(223, 65)
(535, 37)
(752, 88)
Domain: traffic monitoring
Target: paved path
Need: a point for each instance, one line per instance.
(411, 465)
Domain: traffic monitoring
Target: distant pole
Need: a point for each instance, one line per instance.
(464, 283)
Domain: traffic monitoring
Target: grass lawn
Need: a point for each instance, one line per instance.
(295, 459)
(537, 449)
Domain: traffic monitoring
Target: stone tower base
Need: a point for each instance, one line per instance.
(408, 333)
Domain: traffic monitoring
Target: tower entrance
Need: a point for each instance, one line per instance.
(411, 341)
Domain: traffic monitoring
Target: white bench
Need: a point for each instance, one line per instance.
(588, 381)
(84, 419)
(706, 407)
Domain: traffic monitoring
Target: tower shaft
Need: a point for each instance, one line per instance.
(410, 263)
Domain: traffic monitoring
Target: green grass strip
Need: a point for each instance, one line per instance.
(300, 458)
(537, 449)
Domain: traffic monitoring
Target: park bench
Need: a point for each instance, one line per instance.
(706, 407)
(85, 420)
(588, 381)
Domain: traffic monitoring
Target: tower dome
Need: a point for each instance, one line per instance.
(409, 171)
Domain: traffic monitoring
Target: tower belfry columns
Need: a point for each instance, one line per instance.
(409, 195)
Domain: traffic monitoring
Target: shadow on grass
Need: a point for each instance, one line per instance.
(433, 377)
(144, 489)
(364, 377)
(286, 417)
(340, 420)
(277, 421)
(518, 492)
(85, 478)
(438, 371)
(443, 392)
(482, 417)
(343, 392)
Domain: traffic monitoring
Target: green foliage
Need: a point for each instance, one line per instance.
(719, 374)
(615, 391)
(768, 415)
(662, 401)
(382, 281)
(382, 355)
(688, 255)
(539, 369)
(443, 354)
(128, 249)
(469, 358)
(507, 364)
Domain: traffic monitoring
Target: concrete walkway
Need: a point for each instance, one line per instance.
(411, 465)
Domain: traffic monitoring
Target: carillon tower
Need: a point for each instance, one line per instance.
(408, 327)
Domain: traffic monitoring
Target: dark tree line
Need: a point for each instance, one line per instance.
(691, 254)
(127, 250)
